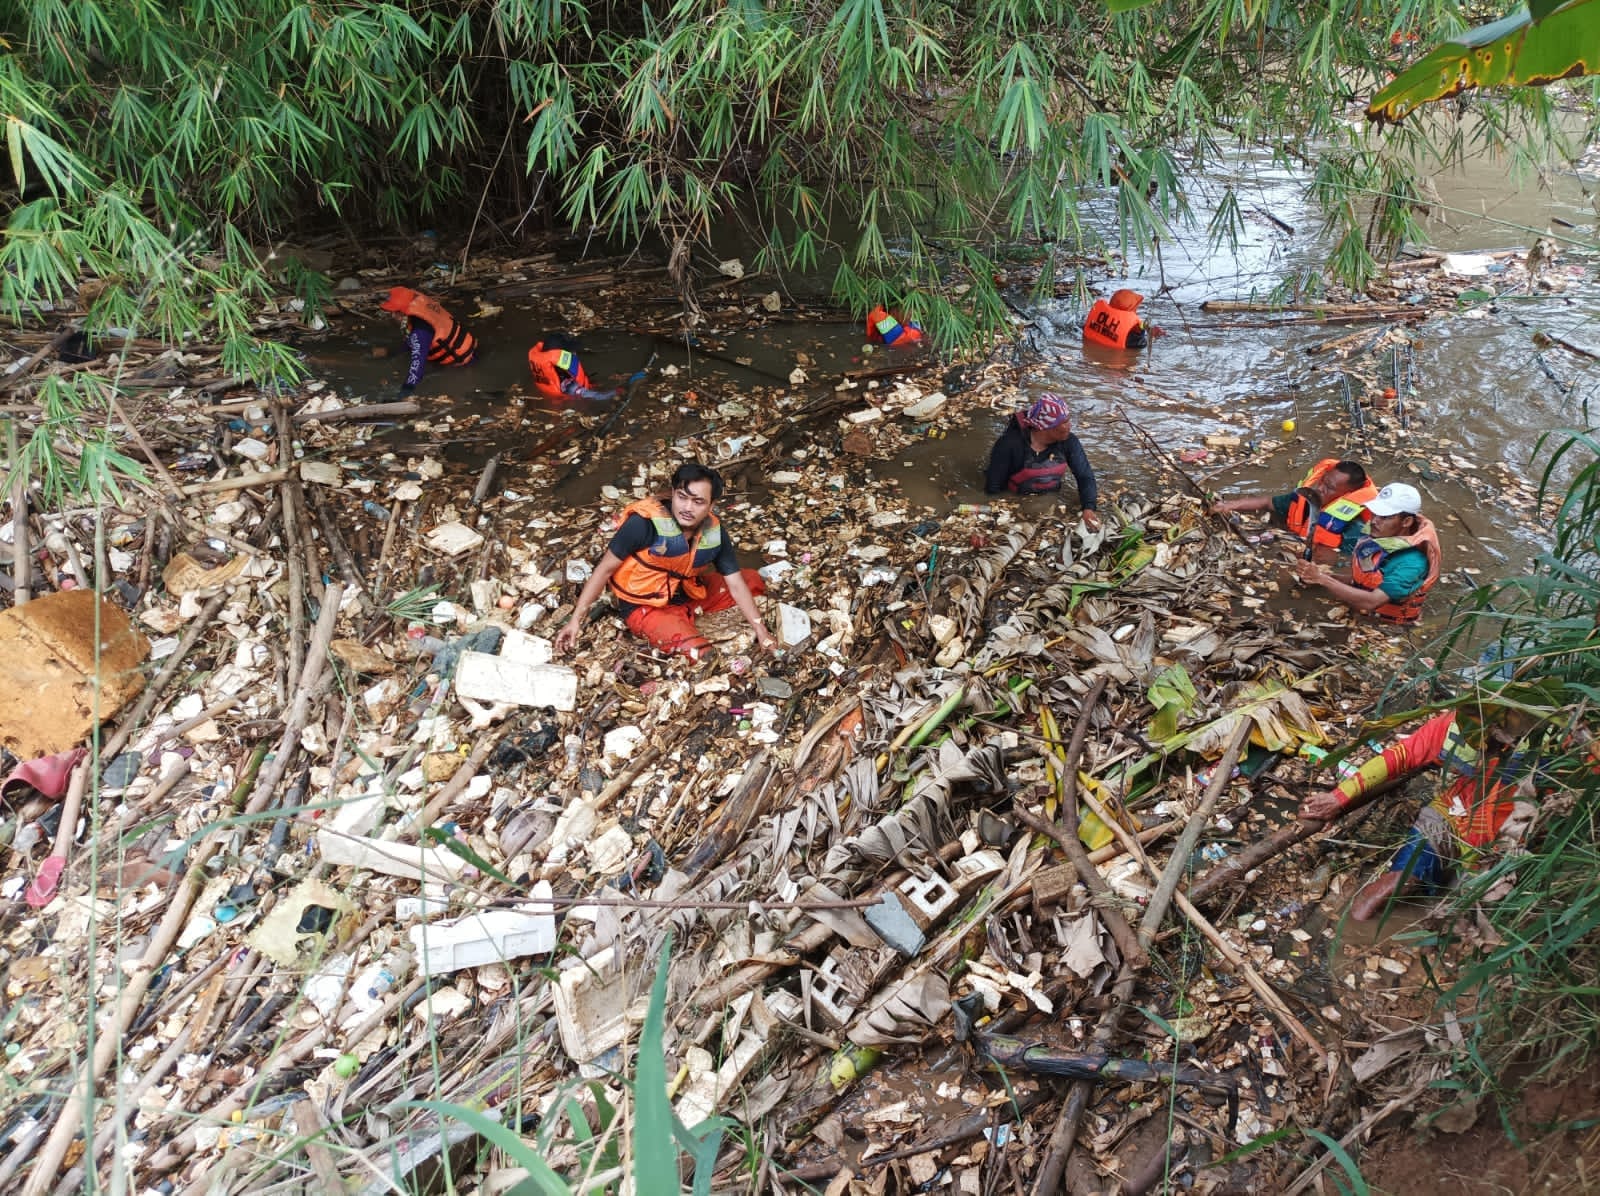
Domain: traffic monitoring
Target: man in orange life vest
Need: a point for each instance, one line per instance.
(1392, 567)
(885, 329)
(432, 334)
(1116, 325)
(557, 372)
(669, 561)
(1334, 493)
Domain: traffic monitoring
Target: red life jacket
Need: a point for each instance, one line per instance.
(1110, 326)
(556, 371)
(653, 576)
(1366, 569)
(1038, 479)
(452, 344)
(1331, 519)
(882, 328)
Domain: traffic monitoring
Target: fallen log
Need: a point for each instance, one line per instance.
(365, 411)
(1234, 868)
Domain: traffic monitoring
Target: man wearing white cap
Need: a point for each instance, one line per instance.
(1393, 567)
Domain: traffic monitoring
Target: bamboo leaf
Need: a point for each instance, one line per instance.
(1511, 52)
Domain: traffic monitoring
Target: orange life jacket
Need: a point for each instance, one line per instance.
(556, 370)
(654, 575)
(1342, 510)
(1366, 569)
(1110, 326)
(882, 328)
(452, 344)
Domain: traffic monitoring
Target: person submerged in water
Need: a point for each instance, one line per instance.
(1035, 452)
(432, 334)
(558, 373)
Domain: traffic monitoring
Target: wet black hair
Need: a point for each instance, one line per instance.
(562, 340)
(1356, 473)
(693, 471)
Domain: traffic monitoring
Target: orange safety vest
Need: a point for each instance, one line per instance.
(1346, 508)
(1366, 569)
(553, 367)
(653, 576)
(452, 344)
(884, 328)
(1110, 326)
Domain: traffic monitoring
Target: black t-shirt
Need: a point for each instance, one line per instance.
(637, 534)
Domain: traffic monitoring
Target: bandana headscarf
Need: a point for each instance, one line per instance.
(1049, 411)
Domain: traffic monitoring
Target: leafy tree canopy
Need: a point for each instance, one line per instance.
(151, 145)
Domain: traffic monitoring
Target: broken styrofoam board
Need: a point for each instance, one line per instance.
(488, 936)
(392, 859)
(591, 1004)
(494, 679)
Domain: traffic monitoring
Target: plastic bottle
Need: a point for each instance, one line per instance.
(975, 508)
(425, 644)
(394, 968)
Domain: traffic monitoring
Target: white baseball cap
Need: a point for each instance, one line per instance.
(1396, 498)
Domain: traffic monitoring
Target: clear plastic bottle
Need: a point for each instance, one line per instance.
(394, 968)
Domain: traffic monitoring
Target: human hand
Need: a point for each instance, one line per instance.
(1308, 573)
(768, 641)
(1154, 332)
(567, 638)
(1321, 807)
(1091, 520)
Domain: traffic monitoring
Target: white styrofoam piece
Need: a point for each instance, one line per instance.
(489, 936)
(392, 859)
(794, 625)
(591, 1002)
(525, 648)
(492, 679)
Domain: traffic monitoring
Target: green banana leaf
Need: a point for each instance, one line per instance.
(1531, 48)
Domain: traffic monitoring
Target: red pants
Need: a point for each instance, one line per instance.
(671, 628)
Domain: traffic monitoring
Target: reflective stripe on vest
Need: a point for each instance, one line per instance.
(654, 575)
(1366, 569)
(1109, 326)
(1340, 513)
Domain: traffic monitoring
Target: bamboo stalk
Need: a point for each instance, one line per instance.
(21, 559)
(313, 678)
(242, 482)
(1178, 862)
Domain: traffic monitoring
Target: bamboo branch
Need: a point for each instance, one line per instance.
(1178, 862)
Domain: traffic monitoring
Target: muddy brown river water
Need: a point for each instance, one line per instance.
(1480, 378)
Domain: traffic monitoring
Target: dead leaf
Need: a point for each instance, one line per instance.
(185, 575)
(357, 656)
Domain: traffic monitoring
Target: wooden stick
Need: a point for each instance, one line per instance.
(308, 1125)
(1309, 1175)
(341, 552)
(313, 678)
(242, 482)
(1235, 866)
(1253, 978)
(21, 560)
(152, 692)
(1178, 862)
(291, 546)
(119, 1016)
(367, 411)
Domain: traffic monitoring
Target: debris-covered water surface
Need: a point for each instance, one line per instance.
(973, 884)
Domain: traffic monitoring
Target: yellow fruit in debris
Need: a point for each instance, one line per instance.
(1288, 427)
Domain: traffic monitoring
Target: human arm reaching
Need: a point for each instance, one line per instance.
(567, 638)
